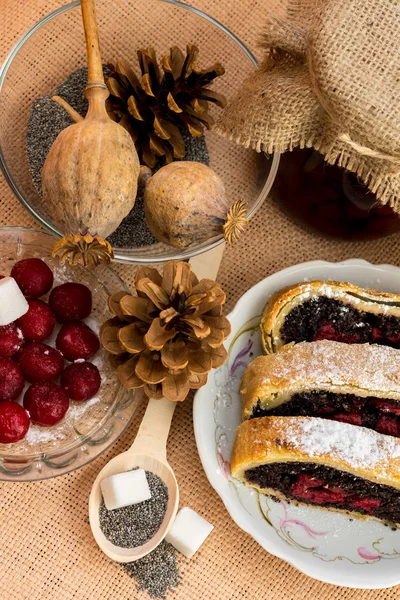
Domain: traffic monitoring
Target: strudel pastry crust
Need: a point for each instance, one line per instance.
(361, 369)
(347, 449)
(283, 302)
(356, 450)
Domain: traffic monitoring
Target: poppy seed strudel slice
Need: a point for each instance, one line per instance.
(330, 465)
(320, 310)
(358, 384)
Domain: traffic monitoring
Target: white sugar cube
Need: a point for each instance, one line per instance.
(188, 531)
(12, 301)
(125, 489)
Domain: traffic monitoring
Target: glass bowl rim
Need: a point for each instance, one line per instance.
(122, 258)
(81, 440)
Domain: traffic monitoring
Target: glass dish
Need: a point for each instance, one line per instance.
(88, 428)
(54, 47)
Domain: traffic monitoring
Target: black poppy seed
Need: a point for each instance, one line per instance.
(156, 573)
(48, 119)
(133, 231)
(39, 139)
(134, 525)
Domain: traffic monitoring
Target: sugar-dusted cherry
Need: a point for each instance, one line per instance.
(40, 362)
(11, 339)
(33, 276)
(38, 323)
(46, 403)
(71, 302)
(76, 340)
(14, 422)
(81, 380)
(11, 379)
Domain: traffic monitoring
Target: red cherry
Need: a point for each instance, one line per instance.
(76, 340)
(81, 381)
(38, 323)
(11, 339)
(46, 403)
(71, 302)
(40, 362)
(33, 276)
(14, 422)
(368, 504)
(11, 379)
(354, 418)
(386, 406)
(326, 331)
(388, 425)
(306, 481)
(305, 488)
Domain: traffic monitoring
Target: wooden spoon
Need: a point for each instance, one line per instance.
(149, 451)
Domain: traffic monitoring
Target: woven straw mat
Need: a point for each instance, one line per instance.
(46, 548)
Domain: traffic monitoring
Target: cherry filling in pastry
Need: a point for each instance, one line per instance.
(325, 486)
(374, 413)
(322, 318)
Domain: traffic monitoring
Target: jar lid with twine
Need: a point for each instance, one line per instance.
(330, 80)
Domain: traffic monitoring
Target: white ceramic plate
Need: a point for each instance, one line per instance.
(327, 546)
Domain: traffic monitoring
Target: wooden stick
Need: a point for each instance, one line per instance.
(154, 429)
(206, 265)
(95, 68)
(75, 116)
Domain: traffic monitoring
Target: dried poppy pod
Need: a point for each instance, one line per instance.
(185, 203)
(89, 179)
(168, 337)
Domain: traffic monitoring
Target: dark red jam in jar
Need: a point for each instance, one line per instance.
(330, 199)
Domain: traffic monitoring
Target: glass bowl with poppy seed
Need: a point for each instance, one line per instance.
(144, 39)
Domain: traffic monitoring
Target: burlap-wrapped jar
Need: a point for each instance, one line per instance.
(330, 80)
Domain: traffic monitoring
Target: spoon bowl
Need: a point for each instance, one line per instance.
(148, 452)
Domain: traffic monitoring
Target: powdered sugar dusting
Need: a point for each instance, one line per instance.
(93, 324)
(327, 363)
(60, 431)
(325, 289)
(356, 446)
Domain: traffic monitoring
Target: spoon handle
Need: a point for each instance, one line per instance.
(207, 264)
(153, 432)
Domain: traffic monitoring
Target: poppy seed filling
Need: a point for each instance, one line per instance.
(382, 415)
(322, 318)
(324, 486)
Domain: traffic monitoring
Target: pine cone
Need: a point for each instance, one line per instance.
(168, 337)
(154, 106)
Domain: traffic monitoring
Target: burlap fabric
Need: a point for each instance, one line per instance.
(46, 548)
(331, 80)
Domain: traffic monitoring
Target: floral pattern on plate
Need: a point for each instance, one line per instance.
(327, 545)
